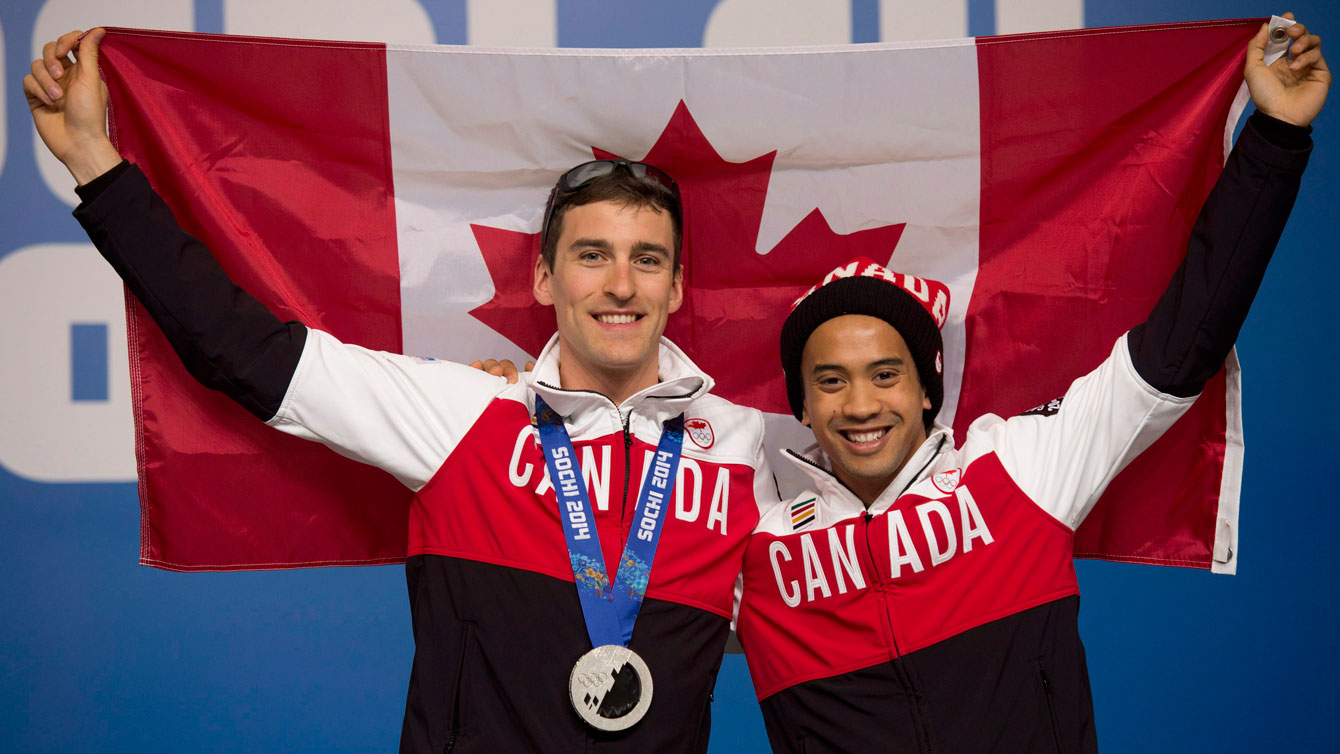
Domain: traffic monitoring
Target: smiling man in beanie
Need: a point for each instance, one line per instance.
(921, 597)
(865, 316)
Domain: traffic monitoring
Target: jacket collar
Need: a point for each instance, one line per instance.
(585, 411)
(839, 502)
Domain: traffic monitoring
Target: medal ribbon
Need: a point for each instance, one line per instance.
(610, 609)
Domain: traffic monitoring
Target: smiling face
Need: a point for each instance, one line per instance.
(612, 286)
(863, 401)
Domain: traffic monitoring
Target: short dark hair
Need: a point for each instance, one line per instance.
(622, 188)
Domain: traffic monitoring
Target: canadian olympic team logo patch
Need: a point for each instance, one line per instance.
(700, 432)
(946, 481)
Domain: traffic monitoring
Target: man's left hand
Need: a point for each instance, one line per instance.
(505, 368)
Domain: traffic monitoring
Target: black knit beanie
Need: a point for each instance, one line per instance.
(915, 307)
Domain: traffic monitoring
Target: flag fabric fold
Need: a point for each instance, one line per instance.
(392, 196)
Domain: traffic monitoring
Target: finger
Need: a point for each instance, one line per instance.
(42, 81)
(52, 61)
(1287, 14)
(54, 53)
(1304, 44)
(1296, 32)
(67, 42)
(476, 364)
(508, 370)
(88, 51)
(1306, 60)
(530, 366)
(36, 97)
(1256, 47)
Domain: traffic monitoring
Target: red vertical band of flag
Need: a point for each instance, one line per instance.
(1086, 212)
(303, 218)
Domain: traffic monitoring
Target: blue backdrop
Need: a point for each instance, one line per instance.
(100, 654)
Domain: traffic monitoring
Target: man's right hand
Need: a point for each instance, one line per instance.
(69, 105)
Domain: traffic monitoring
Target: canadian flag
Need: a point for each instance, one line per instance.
(392, 195)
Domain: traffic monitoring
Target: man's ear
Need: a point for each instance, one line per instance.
(677, 290)
(925, 400)
(805, 415)
(540, 288)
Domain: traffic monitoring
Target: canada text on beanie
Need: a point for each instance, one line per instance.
(915, 307)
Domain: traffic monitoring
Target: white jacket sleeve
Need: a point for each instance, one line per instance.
(400, 413)
(1065, 455)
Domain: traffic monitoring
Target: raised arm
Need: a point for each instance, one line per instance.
(1064, 454)
(227, 339)
(1195, 323)
(400, 414)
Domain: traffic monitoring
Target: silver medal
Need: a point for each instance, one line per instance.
(610, 687)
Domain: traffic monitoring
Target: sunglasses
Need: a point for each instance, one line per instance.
(584, 174)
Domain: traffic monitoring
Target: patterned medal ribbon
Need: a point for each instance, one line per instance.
(610, 687)
(598, 595)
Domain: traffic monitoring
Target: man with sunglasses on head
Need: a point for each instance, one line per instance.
(524, 586)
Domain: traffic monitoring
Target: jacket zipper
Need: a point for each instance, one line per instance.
(627, 478)
(466, 631)
(1051, 705)
(899, 670)
(878, 582)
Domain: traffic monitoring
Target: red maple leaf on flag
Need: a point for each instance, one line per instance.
(735, 297)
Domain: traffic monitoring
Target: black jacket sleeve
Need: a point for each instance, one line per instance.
(227, 339)
(1193, 326)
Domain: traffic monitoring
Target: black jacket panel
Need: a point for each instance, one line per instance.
(489, 676)
(1013, 686)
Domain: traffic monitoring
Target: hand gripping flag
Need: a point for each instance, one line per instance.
(392, 196)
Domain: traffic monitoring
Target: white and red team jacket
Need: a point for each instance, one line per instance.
(945, 617)
(484, 506)
(496, 617)
(961, 539)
